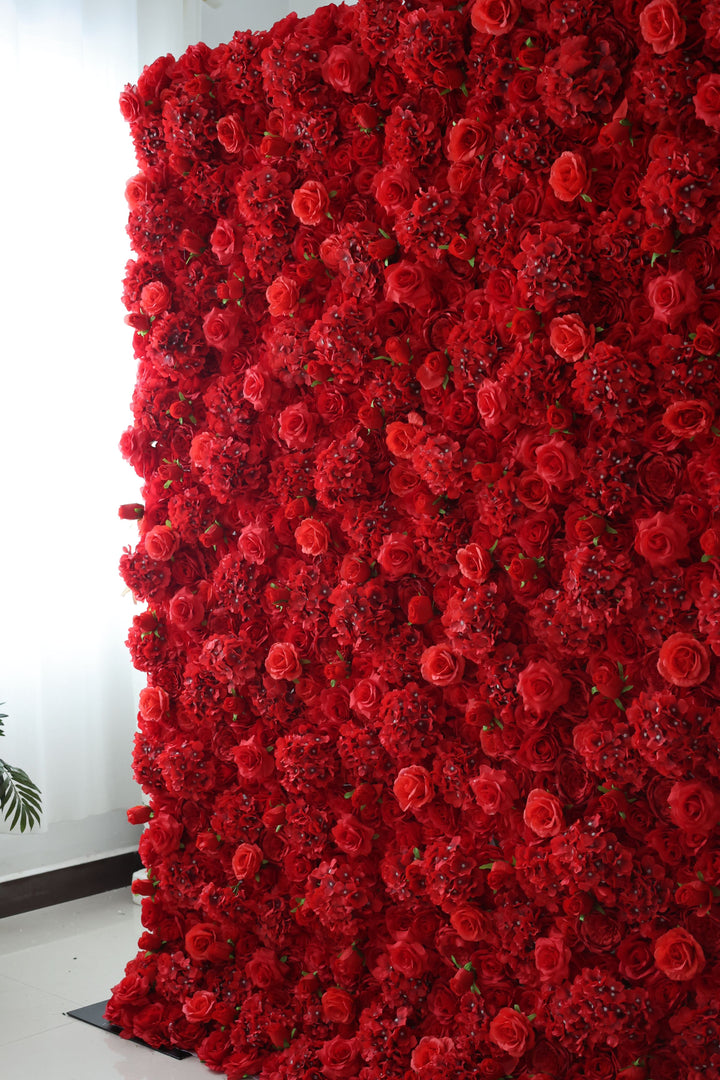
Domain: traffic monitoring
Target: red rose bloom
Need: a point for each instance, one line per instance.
(296, 426)
(441, 666)
(542, 687)
(683, 660)
(494, 16)
(413, 788)
(686, 419)
(310, 203)
(154, 703)
(469, 139)
(470, 923)
(431, 1050)
(552, 958)
(694, 806)
(661, 26)
(161, 543)
(661, 539)
(510, 1030)
(246, 861)
(543, 813)
(282, 295)
(707, 100)
(678, 955)
(475, 562)
(396, 556)
(568, 176)
(408, 957)
(493, 789)
(337, 1006)
(155, 298)
(339, 1058)
(673, 296)
(346, 69)
(407, 283)
(570, 338)
(282, 661)
(313, 537)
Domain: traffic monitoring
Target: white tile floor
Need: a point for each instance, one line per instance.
(60, 958)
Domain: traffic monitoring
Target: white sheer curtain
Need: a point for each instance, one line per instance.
(67, 377)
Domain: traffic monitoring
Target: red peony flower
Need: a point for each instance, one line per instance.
(683, 660)
(678, 955)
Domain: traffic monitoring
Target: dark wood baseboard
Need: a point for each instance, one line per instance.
(70, 883)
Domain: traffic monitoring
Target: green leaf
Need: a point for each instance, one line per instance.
(416, 853)
(386, 236)
(20, 800)
(585, 198)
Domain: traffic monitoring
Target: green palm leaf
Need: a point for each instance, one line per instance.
(19, 797)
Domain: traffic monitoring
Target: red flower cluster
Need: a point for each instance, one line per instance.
(427, 312)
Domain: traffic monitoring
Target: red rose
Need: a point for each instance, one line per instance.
(570, 338)
(131, 511)
(161, 543)
(154, 703)
(556, 462)
(264, 969)
(678, 955)
(155, 298)
(710, 541)
(672, 296)
(220, 328)
(337, 1006)
(401, 439)
(231, 133)
(396, 556)
(346, 69)
(469, 139)
(310, 203)
(282, 295)
(186, 609)
(407, 283)
(683, 660)
(688, 418)
(441, 666)
(494, 16)
(661, 26)
(542, 687)
(635, 958)
(198, 1009)
(313, 537)
(568, 176)
(139, 815)
(365, 697)
(694, 806)
(201, 942)
(246, 861)
(413, 788)
(282, 661)
(543, 813)
(223, 241)
(661, 539)
(475, 563)
(510, 1030)
(606, 676)
(296, 426)
(433, 371)
(431, 1050)
(492, 402)
(254, 544)
(707, 100)
(253, 761)
(339, 1058)
(352, 837)
(552, 958)
(493, 789)
(408, 957)
(420, 610)
(469, 922)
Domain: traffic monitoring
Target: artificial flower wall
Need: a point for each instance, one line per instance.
(426, 315)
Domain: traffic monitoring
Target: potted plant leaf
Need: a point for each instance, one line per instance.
(19, 797)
